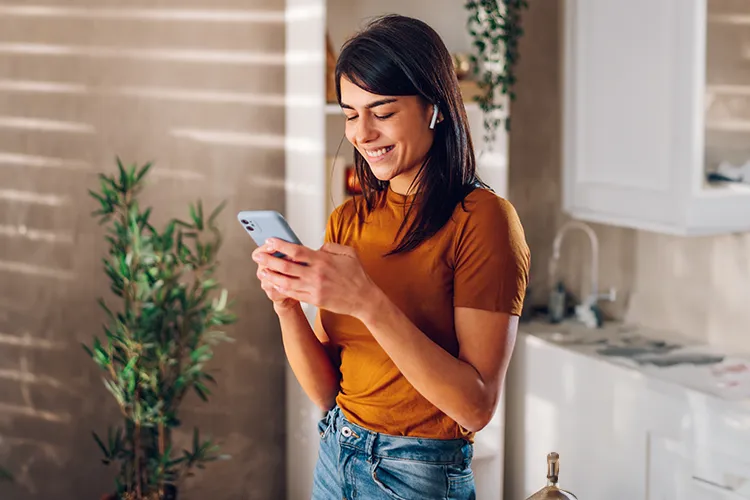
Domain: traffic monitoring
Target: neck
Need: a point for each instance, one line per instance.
(403, 184)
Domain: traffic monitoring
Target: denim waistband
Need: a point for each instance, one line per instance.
(376, 444)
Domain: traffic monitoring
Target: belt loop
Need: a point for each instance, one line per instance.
(370, 445)
(336, 418)
(332, 416)
(468, 453)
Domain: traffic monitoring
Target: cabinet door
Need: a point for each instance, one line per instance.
(701, 490)
(632, 110)
(668, 469)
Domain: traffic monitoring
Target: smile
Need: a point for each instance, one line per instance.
(378, 154)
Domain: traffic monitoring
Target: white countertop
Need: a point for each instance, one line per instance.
(662, 355)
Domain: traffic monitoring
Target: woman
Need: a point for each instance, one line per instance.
(419, 285)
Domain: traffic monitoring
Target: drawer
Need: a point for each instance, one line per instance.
(720, 474)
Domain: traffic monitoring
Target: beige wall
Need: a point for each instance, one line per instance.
(203, 100)
(697, 286)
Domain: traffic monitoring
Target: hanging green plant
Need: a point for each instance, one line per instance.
(495, 27)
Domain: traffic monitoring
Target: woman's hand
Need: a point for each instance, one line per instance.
(331, 278)
(280, 301)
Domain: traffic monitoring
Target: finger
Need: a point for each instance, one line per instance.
(261, 250)
(296, 295)
(297, 253)
(272, 292)
(267, 287)
(285, 284)
(284, 266)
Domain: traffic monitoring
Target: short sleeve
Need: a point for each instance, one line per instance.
(491, 266)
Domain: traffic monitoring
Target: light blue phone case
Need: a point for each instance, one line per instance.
(264, 224)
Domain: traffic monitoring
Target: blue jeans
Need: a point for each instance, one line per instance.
(356, 463)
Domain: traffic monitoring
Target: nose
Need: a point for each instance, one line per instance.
(366, 131)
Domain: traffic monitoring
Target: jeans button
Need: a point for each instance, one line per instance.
(346, 431)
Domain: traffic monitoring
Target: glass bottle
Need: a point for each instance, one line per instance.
(552, 491)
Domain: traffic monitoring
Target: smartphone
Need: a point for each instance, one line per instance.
(264, 224)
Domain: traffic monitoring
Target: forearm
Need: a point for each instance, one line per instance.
(309, 359)
(452, 385)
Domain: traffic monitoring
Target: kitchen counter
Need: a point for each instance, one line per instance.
(662, 355)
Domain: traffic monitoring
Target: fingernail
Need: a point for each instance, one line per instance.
(269, 244)
(263, 274)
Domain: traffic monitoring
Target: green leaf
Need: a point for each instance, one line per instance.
(200, 354)
(106, 309)
(222, 302)
(101, 445)
(216, 212)
(144, 217)
(143, 171)
(183, 223)
(88, 351)
(194, 216)
(123, 187)
(201, 390)
(168, 237)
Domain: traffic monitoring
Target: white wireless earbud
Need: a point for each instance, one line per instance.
(434, 116)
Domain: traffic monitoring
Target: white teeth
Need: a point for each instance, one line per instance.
(377, 152)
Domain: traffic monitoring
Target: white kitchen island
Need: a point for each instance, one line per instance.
(633, 414)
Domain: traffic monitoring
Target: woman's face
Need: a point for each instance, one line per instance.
(392, 133)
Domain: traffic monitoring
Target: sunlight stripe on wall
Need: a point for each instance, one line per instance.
(23, 232)
(146, 14)
(51, 200)
(43, 124)
(27, 340)
(238, 57)
(24, 160)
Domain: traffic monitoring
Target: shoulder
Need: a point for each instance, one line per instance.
(344, 218)
(347, 210)
(484, 208)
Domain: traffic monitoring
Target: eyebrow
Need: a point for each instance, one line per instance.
(373, 104)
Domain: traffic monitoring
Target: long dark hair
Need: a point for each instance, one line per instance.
(402, 56)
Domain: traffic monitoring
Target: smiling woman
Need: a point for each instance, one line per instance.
(390, 80)
(419, 285)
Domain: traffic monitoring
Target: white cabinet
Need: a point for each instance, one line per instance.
(314, 131)
(570, 404)
(622, 433)
(656, 96)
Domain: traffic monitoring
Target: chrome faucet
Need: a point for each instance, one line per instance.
(585, 309)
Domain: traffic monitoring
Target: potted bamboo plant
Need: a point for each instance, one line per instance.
(157, 342)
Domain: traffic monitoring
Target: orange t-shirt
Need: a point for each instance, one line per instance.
(479, 259)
